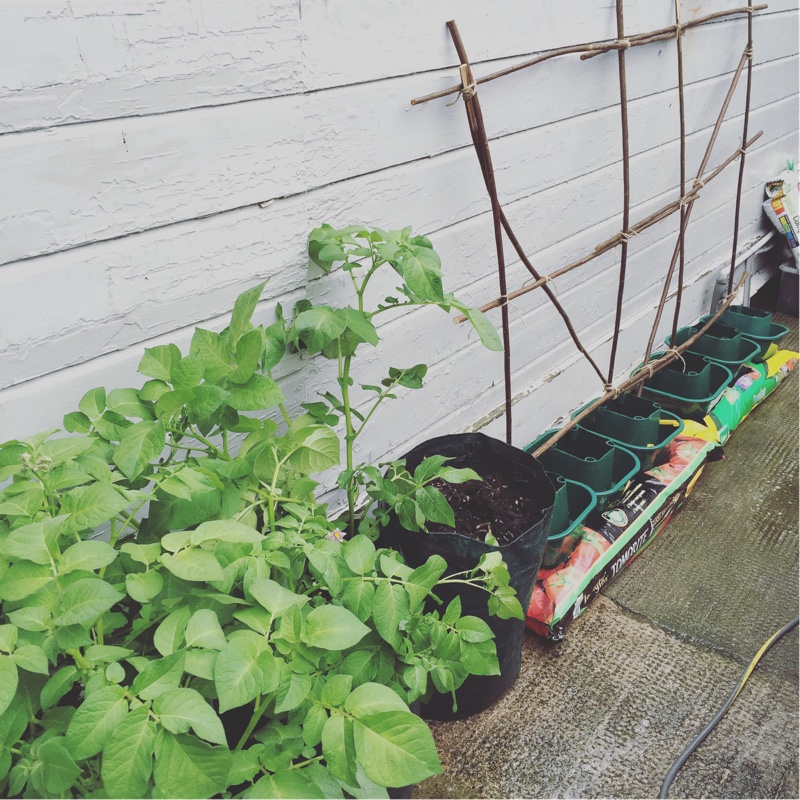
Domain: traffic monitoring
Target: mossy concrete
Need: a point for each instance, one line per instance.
(605, 712)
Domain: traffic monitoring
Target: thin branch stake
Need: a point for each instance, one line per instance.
(749, 52)
(550, 294)
(688, 213)
(593, 48)
(481, 142)
(685, 203)
(658, 216)
(626, 190)
(682, 116)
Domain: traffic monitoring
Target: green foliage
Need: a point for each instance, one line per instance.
(337, 333)
(179, 617)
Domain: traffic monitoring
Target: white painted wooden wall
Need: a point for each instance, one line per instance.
(157, 157)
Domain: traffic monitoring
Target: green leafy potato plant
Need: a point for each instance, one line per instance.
(179, 617)
(337, 333)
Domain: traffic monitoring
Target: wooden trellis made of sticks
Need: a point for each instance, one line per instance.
(468, 89)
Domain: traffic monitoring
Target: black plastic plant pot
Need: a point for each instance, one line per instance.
(573, 503)
(592, 460)
(688, 385)
(636, 423)
(719, 343)
(522, 556)
(767, 342)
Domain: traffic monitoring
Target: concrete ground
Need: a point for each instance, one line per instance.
(606, 712)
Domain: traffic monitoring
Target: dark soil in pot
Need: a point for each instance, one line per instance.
(492, 506)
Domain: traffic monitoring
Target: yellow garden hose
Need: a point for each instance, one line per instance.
(670, 776)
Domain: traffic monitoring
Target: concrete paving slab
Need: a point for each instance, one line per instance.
(605, 713)
(724, 572)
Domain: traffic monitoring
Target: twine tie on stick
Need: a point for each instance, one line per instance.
(543, 280)
(678, 356)
(468, 88)
(609, 388)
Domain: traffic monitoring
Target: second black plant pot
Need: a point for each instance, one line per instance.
(522, 557)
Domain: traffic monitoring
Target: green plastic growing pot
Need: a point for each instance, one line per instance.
(767, 342)
(573, 503)
(589, 459)
(719, 343)
(689, 385)
(747, 320)
(638, 424)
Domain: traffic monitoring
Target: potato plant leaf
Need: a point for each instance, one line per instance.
(188, 767)
(181, 709)
(332, 628)
(286, 784)
(87, 555)
(242, 313)
(8, 681)
(95, 720)
(128, 757)
(241, 673)
(395, 748)
(157, 362)
(256, 394)
(85, 601)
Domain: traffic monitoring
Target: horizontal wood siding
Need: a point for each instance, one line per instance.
(158, 157)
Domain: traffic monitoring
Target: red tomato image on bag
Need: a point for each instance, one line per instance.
(588, 551)
(544, 574)
(560, 583)
(541, 607)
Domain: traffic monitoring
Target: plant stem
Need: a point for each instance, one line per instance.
(285, 414)
(257, 714)
(281, 407)
(273, 486)
(383, 395)
(80, 661)
(306, 762)
(376, 262)
(176, 447)
(467, 583)
(126, 522)
(52, 499)
(209, 444)
(225, 443)
(398, 305)
(350, 436)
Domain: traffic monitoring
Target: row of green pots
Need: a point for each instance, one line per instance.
(693, 383)
(592, 464)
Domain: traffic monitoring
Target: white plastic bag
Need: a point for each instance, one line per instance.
(782, 207)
